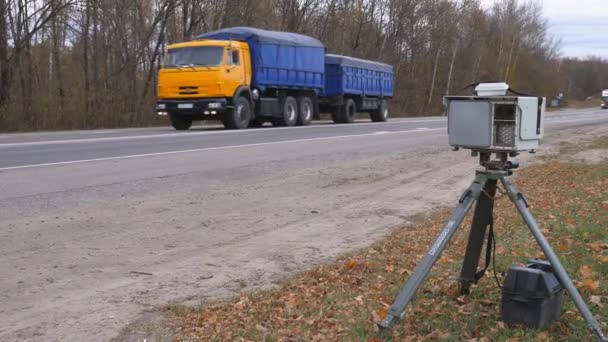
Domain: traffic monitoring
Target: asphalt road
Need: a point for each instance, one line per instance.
(47, 149)
(98, 226)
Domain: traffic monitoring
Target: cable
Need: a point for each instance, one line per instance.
(494, 261)
(503, 193)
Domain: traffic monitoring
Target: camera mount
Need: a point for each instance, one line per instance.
(482, 192)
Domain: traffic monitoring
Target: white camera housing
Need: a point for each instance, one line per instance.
(494, 122)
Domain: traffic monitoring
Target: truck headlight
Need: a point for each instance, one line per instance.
(161, 106)
(215, 105)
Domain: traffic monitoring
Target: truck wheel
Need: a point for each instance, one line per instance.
(239, 116)
(180, 122)
(380, 114)
(348, 112)
(290, 112)
(306, 111)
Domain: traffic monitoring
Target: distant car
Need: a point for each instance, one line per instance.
(605, 99)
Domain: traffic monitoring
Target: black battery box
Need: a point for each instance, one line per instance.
(532, 296)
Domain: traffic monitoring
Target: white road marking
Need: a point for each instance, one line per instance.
(195, 133)
(422, 129)
(209, 149)
(575, 120)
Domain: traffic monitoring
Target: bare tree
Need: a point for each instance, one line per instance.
(93, 63)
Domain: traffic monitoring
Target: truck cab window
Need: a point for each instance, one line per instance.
(194, 56)
(233, 57)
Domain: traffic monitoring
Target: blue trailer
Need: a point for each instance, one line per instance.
(245, 77)
(355, 85)
(287, 73)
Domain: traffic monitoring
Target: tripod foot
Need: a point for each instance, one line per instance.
(464, 287)
(384, 327)
(600, 334)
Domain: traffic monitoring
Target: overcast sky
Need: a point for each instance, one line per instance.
(582, 25)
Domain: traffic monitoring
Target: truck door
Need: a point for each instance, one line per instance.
(235, 71)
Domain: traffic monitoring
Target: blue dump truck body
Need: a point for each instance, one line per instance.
(280, 59)
(352, 76)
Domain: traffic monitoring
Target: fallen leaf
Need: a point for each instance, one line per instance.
(350, 264)
(598, 247)
(261, 328)
(379, 315)
(405, 271)
(597, 300)
(590, 285)
(542, 336)
(445, 260)
(586, 271)
(565, 243)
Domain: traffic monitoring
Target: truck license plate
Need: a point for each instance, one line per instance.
(185, 105)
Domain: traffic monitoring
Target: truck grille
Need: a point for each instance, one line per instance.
(188, 90)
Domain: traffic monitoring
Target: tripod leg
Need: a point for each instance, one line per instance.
(522, 206)
(481, 220)
(422, 270)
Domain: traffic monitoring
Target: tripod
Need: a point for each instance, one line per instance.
(482, 191)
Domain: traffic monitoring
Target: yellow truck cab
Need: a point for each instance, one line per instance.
(207, 79)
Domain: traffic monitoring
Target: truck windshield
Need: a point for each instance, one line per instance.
(194, 56)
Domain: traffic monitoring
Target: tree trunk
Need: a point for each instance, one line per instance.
(510, 59)
(157, 49)
(85, 64)
(435, 67)
(5, 69)
(57, 81)
(450, 72)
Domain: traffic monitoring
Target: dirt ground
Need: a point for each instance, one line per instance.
(247, 236)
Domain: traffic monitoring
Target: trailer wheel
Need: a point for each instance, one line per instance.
(180, 122)
(306, 111)
(240, 116)
(346, 113)
(289, 114)
(380, 114)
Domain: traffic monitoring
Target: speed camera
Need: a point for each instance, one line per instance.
(495, 122)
